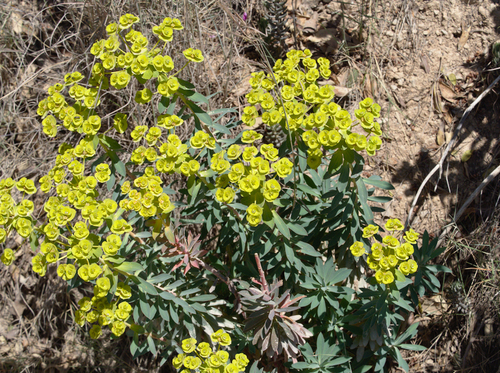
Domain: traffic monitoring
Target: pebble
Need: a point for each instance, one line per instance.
(483, 11)
(444, 32)
(436, 12)
(426, 32)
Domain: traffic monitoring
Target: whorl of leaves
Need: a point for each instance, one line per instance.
(274, 135)
(276, 28)
(456, 294)
(275, 333)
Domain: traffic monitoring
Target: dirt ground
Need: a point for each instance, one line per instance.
(424, 62)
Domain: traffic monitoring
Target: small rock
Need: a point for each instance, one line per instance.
(426, 32)
(389, 33)
(483, 11)
(488, 327)
(436, 12)
(444, 32)
(438, 32)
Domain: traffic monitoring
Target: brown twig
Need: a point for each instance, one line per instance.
(263, 281)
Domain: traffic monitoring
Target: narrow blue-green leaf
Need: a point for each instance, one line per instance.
(146, 287)
(280, 224)
(298, 229)
(163, 104)
(408, 333)
(409, 346)
(304, 365)
(146, 308)
(362, 192)
(173, 314)
(379, 184)
(203, 298)
(308, 190)
(143, 234)
(307, 249)
(109, 142)
(339, 275)
(151, 345)
(401, 362)
(380, 199)
(199, 112)
(117, 164)
(222, 111)
(335, 162)
(160, 278)
(195, 188)
(343, 179)
(363, 369)
(337, 361)
(111, 182)
(403, 304)
(186, 84)
(193, 96)
(130, 267)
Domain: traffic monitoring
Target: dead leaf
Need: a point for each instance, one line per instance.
(464, 38)
(447, 116)
(435, 305)
(424, 63)
(467, 155)
(440, 137)
(310, 26)
(342, 76)
(371, 86)
(342, 91)
(17, 23)
(447, 93)
(453, 79)
(436, 98)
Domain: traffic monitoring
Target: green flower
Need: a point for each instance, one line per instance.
(95, 331)
(194, 55)
(188, 345)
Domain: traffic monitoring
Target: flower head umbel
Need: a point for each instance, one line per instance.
(209, 359)
(390, 259)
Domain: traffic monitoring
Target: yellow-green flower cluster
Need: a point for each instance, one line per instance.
(123, 55)
(205, 359)
(305, 107)
(148, 199)
(390, 255)
(72, 214)
(15, 217)
(98, 312)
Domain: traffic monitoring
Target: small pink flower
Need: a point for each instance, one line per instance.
(245, 16)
